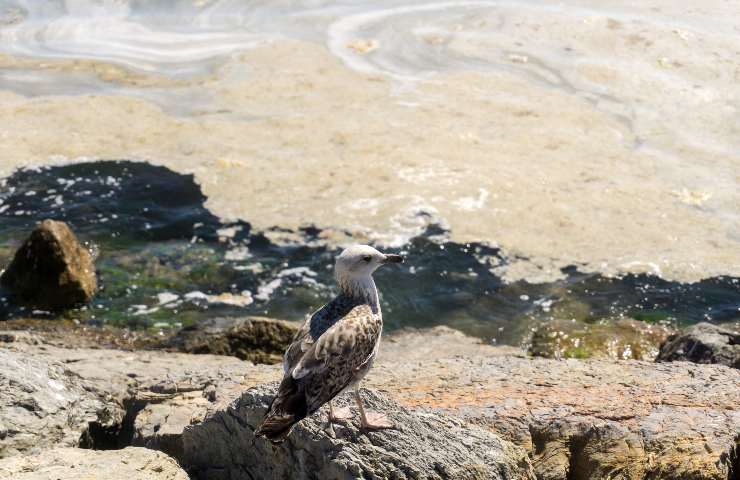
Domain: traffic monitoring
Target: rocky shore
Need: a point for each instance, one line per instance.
(464, 410)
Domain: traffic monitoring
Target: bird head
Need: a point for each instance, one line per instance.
(358, 262)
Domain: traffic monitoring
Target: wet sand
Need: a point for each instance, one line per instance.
(604, 138)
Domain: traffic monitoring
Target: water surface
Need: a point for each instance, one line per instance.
(601, 135)
(164, 260)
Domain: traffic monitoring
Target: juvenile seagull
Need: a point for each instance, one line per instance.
(334, 349)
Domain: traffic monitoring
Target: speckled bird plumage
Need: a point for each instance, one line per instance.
(333, 350)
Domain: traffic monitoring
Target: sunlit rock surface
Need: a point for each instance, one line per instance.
(582, 418)
(51, 269)
(73, 464)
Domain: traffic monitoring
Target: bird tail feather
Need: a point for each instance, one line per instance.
(287, 408)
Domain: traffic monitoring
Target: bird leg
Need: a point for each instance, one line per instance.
(341, 413)
(371, 420)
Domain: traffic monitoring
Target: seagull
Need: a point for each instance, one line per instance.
(333, 350)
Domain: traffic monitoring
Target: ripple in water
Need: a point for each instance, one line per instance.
(165, 260)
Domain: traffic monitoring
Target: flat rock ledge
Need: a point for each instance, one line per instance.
(43, 405)
(76, 464)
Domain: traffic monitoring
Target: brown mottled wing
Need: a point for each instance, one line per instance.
(315, 326)
(302, 340)
(331, 362)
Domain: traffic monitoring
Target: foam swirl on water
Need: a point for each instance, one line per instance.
(179, 43)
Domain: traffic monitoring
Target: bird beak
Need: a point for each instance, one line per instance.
(391, 258)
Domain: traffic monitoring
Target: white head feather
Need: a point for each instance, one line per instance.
(354, 269)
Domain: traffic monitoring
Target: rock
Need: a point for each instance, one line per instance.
(622, 339)
(73, 463)
(703, 343)
(51, 269)
(585, 419)
(257, 339)
(69, 334)
(43, 405)
(425, 445)
(52, 396)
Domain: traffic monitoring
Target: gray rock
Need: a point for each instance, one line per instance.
(75, 464)
(425, 445)
(51, 269)
(257, 339)
(702, 343)
(43, 405)
(52, 397)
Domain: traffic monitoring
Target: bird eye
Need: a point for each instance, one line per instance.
(367, 258)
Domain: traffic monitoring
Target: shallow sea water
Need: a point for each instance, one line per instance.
(165, 260)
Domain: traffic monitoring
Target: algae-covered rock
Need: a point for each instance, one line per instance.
(703, 343)
(257, 339)
(622, 339)
(51, 269)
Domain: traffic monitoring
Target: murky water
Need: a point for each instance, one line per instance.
(164, 260)
(564, 132)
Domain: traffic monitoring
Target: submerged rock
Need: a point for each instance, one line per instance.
(703, 343)
(51, 269)
(73, 464)
(257, 339)
(621, 339)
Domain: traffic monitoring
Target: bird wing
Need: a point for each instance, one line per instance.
(314, 327)
(301, 342)
(330, 364)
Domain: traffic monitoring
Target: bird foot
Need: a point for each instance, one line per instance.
(376, 421)
(341, 413)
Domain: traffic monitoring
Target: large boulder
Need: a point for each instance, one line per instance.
(703, 343)
(257, 339)
(424, 446)
(74, 464)
(51, 269)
